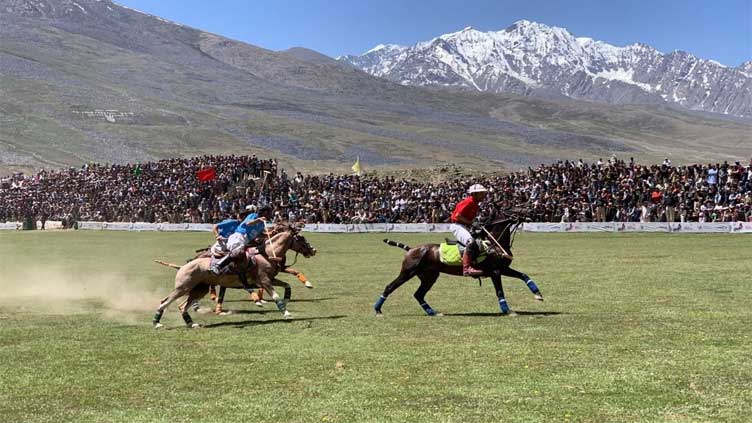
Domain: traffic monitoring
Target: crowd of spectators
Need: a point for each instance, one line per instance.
(162, 191)
(566, 191)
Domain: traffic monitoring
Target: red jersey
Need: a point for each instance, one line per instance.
(466, 208)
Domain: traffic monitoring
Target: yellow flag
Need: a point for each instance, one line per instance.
(356, 167)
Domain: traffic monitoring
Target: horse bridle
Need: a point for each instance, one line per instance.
(515, 220)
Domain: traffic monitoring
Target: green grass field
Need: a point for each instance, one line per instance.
(635, 327)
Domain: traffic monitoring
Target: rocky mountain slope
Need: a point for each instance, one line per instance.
(529, 58)
(91, 81)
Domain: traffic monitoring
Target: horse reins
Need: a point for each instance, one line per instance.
(512, 233)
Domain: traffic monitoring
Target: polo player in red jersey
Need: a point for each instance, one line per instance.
(462, 220)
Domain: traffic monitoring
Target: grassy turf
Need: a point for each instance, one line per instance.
(635, 327)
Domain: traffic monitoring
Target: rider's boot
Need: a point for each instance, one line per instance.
(217, 266)
(467, 265)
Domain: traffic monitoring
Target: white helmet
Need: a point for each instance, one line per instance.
(477, 188)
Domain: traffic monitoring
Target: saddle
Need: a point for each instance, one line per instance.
(450, 241)
(451, 252)
(232, 268)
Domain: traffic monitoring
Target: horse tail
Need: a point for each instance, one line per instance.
(164, 263)
(396, 244)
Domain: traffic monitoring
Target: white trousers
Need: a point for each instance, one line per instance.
(461, 233)
(219, 247)
(236, 241)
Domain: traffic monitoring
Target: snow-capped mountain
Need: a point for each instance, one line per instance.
(529, 58)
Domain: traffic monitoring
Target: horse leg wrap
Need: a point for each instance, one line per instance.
(281, 305)
(255, 296)
(531, 285)
(379, 303)
(157, 317)
(427, 308)
(301, 277)
(187, 319)
(503, 306)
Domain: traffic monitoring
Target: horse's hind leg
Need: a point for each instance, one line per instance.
(220, 300)
(496, 280)
(193, 296)
(404, 276)
(525, 278)
(174, 295)
(427, 279)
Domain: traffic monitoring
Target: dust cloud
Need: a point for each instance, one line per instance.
(60, 290)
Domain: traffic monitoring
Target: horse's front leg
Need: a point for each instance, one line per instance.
(266, 282)
(508, 271)
(301, 277)
(286, 296)
(496, 280)
(220, 300)
(288, 289)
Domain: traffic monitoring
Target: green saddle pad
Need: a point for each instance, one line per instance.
(450, 255)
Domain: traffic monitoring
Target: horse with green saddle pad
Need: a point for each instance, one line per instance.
(428, 261)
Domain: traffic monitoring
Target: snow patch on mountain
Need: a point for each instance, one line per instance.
(623, 75)
(531, 58)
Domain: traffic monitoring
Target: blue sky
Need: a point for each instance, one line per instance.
(713, 29)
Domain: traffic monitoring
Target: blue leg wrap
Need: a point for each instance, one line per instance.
(429, 311)
(281, 305)
(503, 306)
(379, 303)
(532, 286)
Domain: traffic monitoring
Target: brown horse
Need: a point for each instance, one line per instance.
(193, 278)
(424, 261)
(256, 297)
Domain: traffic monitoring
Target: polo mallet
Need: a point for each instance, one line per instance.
(496, 242)
(263, 183)
(266, 231)
(269, 237)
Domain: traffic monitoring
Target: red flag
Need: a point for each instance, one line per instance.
(207, 174)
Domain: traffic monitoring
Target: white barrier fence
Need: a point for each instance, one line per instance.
(676, 227)
(617, 227)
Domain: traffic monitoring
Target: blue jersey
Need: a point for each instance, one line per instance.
(227, 227)
(251, 231)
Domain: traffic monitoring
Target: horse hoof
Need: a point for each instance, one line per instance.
(158, 326)
(260, 303)
(379, 314)
(195, 326)
(287, 314)
(308, 285)
(538, 297)
(512, 314)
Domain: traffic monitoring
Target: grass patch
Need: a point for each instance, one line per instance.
(635, 327)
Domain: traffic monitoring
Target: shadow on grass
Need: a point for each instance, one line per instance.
(519, 313)
(259, 311)
(247, 323)
(312, 300)
(293, 300)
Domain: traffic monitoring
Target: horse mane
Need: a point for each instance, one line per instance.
(286, 226)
